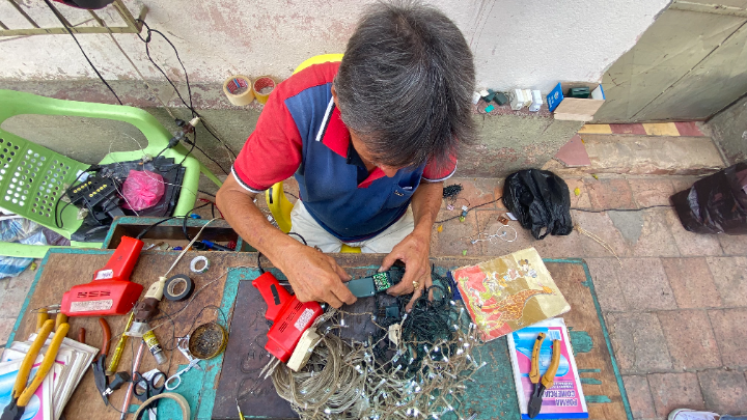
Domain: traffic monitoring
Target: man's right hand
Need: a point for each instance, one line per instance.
(315, 276)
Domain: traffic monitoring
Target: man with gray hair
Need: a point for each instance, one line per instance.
(370, 140)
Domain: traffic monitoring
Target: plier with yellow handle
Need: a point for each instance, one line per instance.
(548, 379)
(21, 393)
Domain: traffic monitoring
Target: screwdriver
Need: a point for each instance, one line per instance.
(241, 415)
(120, 347)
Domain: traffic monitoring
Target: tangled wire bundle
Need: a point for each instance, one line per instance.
(423, 376)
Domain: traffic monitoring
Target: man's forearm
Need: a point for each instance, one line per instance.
(247, 220)
(425, 205)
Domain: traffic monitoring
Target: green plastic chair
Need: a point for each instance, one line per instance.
(32, 177)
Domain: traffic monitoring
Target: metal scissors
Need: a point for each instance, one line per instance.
(147, 385)
(176, 379)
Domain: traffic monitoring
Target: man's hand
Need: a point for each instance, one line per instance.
(315, 276)
(414, 251)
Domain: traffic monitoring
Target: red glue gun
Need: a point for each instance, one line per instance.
(290, 316)
(111, 292)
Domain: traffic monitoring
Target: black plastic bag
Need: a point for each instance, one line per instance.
(716, 203)
(540, 200)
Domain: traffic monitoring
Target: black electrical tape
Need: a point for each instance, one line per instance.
(173, 282)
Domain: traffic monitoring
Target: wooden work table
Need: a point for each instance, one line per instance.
(493, 395)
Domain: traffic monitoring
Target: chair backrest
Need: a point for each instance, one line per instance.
(32, 177)
(323, 58)
(17, 103)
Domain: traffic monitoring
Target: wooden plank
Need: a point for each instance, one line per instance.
(493, 395)
(61, 270)
(601, 385)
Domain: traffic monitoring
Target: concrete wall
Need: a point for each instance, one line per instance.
(509, 140)
(729, 130)
(517, 43)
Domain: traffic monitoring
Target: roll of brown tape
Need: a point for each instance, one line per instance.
(263, 87)
(238, 90)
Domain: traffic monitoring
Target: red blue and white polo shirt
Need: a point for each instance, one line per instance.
(300, 133)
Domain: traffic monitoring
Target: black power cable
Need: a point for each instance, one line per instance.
(147, 40)
(95, 70)
(186, 76)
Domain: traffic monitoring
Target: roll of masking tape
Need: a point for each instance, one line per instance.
(238, 90)
(263, 87)
(199, 265)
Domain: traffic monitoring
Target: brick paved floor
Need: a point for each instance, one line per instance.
(675, 302)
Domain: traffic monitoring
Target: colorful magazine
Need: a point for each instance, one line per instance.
(40, 405)
(509, 293)
(565, 400)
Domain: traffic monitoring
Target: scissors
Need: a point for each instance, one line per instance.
(176, 379)
(147, 385)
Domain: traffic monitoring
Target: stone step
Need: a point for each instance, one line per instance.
(637, 154)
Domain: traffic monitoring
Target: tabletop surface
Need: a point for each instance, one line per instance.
(492, 396)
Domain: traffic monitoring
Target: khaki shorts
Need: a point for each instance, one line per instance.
(316, 236)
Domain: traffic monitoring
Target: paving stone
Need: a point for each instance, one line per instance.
(628, 129)
(639, 396)
(583, 200)
(644, 284)
(638, 342)
(12, 302)
(691, 282)
(690, 339)
(498, 193)
(730, 276)
(600, 226)
(475, 191)
(656, 240)
(22, 283)
(552, 246)
(724, 391)
(455, 235)
(642, 155)
(610, 193)
(651, 191)
(6, 327)
(488, 224)
(675, 390)
(683, 182)
(604, 275)
(733, 244)
(688, 128)
(730, 330)
(573, 153)
(629, 223)
(690, 243)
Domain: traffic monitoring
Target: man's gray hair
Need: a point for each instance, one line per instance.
(405, 85)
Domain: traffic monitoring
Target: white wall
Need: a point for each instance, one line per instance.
(517, 43)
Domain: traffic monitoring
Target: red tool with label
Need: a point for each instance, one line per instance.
(111, 292)
(290, 316)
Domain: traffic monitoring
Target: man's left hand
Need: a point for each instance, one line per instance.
(414, 251)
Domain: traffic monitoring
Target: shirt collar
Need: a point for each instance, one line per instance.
(334, 134)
